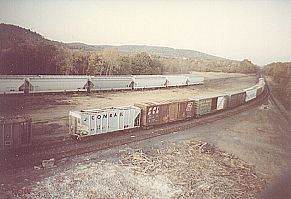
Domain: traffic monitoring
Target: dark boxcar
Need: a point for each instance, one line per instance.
(154, 113)
(237, 99)
(214, 103)
(15, 133)
(173, 110)
(181, 109)
(186, 109)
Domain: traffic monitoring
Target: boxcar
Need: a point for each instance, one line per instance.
(237, 99)
(251, 93)
(222, 102)
(186, 109)
(180, 109)
(15, 133)
(98, 121)
(206, 105)
(157, 113)
(153, 113)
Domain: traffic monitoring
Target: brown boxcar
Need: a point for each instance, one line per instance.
(173, 111)
(156, 113)
(237, 99)
(214, 103)
(15, 133)
(181, 109)
(186, 109)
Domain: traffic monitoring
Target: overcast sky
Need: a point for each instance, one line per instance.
(257, 30)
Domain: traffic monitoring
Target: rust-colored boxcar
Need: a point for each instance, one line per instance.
(156, 113)
(153, 113)
(15, 133)
(186, 109)
(181, 109)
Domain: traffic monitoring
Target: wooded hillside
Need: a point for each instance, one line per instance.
(25, 52)
(281, 74)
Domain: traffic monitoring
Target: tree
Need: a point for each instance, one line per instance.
(110, 57)
(142, 63)
(96, 64)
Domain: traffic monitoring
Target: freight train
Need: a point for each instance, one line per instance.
(146, 115)
(16, 132)
(17, 84)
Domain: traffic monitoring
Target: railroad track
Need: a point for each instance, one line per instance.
(29, 157)
(277, 104)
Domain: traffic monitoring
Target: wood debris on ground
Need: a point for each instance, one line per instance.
(201, 170)
(185, 169)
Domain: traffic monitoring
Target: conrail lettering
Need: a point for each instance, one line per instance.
(106, 115)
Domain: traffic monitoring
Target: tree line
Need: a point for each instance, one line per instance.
(173, 65)
(280, 72)
(25, 52)
(51, 59)
(46, 58)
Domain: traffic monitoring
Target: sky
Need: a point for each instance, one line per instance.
(256, 30)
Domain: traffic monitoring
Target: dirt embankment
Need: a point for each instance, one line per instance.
(173, 170)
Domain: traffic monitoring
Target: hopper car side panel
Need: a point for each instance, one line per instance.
(149, 81)
(98, 121)
(111, 83)
(194, 79)
(11, 85)
(176, 80)
(57, 84)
